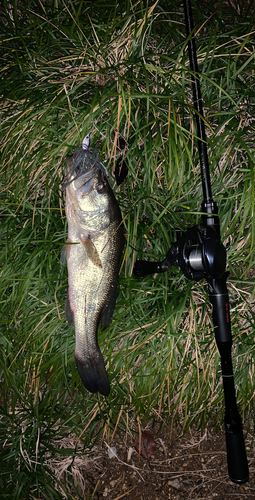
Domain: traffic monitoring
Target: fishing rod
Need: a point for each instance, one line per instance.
(200, 254)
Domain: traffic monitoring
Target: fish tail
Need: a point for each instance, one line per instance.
(93, 373)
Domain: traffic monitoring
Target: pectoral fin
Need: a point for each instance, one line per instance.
(65, 251)
(92, 252)
(63, 255)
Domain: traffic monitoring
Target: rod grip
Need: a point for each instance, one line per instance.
(236, 454)
(237, 461)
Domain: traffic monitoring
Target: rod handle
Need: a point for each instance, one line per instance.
(237, 461)
(236, 454)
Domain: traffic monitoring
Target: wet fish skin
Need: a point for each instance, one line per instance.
(95, 245)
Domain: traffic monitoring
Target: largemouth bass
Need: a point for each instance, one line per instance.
(93, 251)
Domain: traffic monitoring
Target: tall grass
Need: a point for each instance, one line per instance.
(73, 67)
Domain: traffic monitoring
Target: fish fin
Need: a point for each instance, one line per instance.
(107, 313)
(63, 255)
(68, 311)
(93, 373)
(92, 251)
(65, 251)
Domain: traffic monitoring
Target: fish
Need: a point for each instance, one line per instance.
(93, 251)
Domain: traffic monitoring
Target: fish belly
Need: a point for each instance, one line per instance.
(90, 287)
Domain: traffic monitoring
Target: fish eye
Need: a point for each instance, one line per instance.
(101, 187)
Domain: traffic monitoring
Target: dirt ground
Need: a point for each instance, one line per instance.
(181, 468)
(188, 468)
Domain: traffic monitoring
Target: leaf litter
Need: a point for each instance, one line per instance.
(193, 466)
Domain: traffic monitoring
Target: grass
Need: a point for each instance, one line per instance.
(69, 68)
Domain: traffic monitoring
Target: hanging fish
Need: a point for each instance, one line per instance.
(93, 251)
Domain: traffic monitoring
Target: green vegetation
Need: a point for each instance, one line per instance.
(73, 67)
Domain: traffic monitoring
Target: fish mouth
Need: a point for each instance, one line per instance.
(83, 163)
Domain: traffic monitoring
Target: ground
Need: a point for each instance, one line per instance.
(179, 468)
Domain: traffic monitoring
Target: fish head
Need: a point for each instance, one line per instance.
(82, 162)
(92, 191)
(88, 189)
